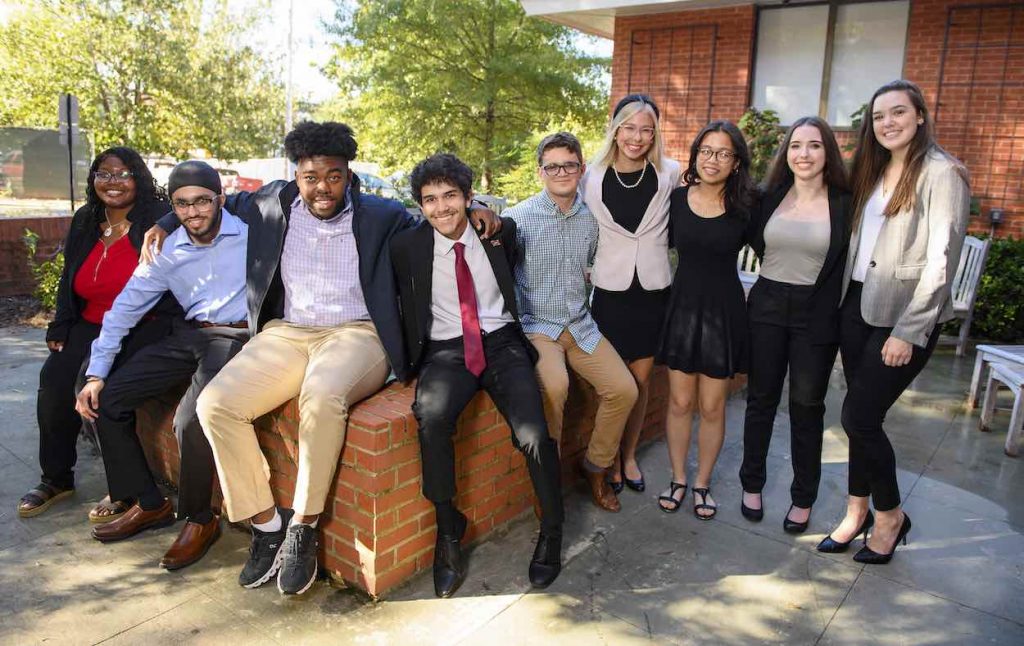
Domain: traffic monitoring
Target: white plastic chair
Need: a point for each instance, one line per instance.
(748, 267)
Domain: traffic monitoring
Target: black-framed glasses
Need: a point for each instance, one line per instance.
(113, 178)
(569, 168)
(202, 204)
(723, 155)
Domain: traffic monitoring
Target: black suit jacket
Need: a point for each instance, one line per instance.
(412, 256)
(824, 316)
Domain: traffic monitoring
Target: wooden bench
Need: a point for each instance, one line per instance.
(377, 528)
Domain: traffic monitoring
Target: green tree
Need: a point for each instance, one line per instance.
(473, 77)
(163, 77)
(763, 134)
(521, 180)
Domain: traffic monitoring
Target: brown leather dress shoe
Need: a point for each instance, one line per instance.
(192, 543)
(601, 493)
(134, 521)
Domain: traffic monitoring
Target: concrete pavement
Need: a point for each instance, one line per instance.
(641, 576)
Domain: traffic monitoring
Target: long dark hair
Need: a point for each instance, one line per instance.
(740, 190)
(834, 175)
(871, 158)
(146, 188)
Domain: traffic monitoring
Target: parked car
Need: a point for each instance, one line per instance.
(378, 186)
(248, 184)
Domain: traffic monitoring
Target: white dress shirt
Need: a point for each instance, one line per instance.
(444, 296)
(871, 221)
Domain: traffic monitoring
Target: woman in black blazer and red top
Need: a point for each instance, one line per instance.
(800, 232)
(100, 253)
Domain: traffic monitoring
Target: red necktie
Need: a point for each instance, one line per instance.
(472, 340)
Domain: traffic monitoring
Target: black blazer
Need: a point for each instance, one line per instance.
(81, 238)
(828, 289)
(412, 256)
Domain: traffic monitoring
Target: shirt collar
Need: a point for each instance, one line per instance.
(445, 245)
(549, 203)
(228, 227)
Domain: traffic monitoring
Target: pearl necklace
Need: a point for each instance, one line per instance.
(625, 185)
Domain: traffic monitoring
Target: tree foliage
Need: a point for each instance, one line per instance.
(472, 77)
(162, 77)
(763, 134)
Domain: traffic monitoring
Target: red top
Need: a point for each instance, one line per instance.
(103, 275)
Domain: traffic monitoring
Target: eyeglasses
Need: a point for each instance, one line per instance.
(723, 155)
(202, 204)
(113, 178)
(631, 131)
(553, 170)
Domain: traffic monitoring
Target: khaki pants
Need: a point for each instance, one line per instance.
(605, 371)
(329, 369)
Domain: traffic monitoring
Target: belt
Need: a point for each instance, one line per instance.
(204, 324)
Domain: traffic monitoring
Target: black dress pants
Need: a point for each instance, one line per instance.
(779, 339)
(187, 353)
(60, 379)
(872, 388)
(444, 389)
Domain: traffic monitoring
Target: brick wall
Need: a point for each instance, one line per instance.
(983, 127)
(15, 275)
(378, 530)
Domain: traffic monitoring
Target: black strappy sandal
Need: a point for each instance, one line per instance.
(673, 487)
(703, 492)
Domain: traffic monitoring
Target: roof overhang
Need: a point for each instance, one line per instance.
(597, 17)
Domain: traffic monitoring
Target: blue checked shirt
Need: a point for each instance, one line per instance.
(555, 250)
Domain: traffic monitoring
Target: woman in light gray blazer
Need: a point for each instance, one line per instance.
(911, 202)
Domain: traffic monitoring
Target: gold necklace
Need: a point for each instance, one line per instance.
(109, 231)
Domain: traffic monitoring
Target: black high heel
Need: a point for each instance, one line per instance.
(751, 514)
(793, 527)
(871, 557)
(830, 545)
(635, 485)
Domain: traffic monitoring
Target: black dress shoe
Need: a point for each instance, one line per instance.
(751, 514)
(830, 545)
(793, 527)
(871, 557)
(449, 570)
(547, 561)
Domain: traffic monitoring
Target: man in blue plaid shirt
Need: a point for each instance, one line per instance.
(557, 237)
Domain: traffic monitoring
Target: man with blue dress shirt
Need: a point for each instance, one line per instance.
(557, 238)
(203, 264)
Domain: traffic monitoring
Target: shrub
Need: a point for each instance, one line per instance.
(763, 134)
(46, 273)
(999, 305)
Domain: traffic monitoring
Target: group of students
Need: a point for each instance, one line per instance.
(311, 289)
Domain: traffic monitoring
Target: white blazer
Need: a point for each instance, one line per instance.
(620, 251)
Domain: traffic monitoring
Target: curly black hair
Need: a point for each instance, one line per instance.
(146, 188)
(442, 167)
(327, 139)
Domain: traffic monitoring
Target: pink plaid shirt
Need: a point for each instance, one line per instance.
(320, 269)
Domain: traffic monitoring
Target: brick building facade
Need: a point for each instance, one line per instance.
(698, 59)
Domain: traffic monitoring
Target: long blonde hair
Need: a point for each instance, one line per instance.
(609, 149)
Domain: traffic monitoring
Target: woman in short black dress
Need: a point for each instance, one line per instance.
(627, 188)
(704, 337)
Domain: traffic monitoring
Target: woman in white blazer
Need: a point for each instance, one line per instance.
(627, 188)
(911, 202)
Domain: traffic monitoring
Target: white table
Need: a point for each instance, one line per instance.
(1010, 354)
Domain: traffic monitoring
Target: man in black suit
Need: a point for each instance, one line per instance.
(462, 333)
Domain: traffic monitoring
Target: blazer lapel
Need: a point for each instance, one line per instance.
(837, 234)
(421, 264)
(502, 272)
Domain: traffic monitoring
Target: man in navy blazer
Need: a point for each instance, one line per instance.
(462, 333)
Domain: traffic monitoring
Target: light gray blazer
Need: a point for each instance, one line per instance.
(908, 283)
(620, 252)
